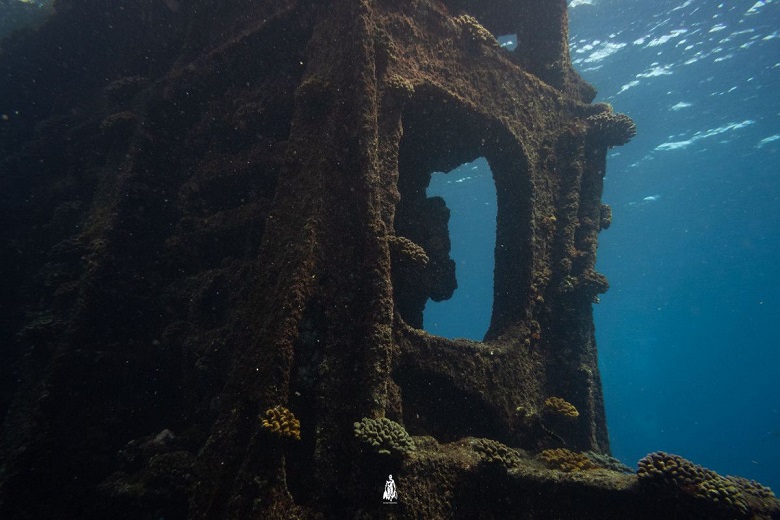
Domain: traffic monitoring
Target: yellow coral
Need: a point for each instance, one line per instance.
(567, 460)
(559, 406)
(282, 422)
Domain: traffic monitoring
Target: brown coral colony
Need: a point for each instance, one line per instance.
(282, 422)
(561, 407)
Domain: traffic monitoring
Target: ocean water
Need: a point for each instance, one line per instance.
(688, 333)
(15, 14)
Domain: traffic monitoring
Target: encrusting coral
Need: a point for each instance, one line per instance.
(567, 460)
(282, 422)
(673, 471)
(561, 407)
(384, 436)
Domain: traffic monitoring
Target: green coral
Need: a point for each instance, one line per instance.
(493, 452)
(752, 487)
(673, 471)
(384, 436)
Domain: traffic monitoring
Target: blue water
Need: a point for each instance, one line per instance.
(687, 334)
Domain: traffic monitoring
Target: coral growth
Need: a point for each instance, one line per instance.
(567, 460)
(610, 129)
(675, 472)
(282, 422)
(560, 407)
(402, 247)
(605, 216)
(494, 452)
(402, 88)
(384, 436)
(475, 32)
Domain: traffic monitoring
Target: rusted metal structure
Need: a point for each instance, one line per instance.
(214, 212)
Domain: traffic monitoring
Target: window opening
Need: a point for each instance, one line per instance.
(508, 42)
(470, 194)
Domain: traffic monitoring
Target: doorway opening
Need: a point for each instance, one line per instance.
(508, 42)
